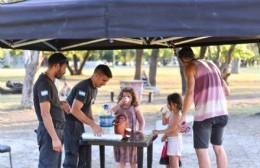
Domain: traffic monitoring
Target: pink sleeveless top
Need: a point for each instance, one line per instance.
(209, 97)
(171, 118)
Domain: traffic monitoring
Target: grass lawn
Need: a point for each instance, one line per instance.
(244, 99)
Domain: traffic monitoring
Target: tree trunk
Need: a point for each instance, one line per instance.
(138, 64)
(7, 60)
(32, 64)
(153, 67)
(183, 80)
(75, 63)
(226, 65)
(235, 69)
(71, 70)
(210, 53)
(84, 61)
(203, 50)
(78, 70)
(216, 61)
(258, 46)
(229, 54)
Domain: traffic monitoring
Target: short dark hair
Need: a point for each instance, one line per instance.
(175, 98)
(104, 69)
(57, 58)
(186, 52)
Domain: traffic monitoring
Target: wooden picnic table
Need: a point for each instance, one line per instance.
(140, 142)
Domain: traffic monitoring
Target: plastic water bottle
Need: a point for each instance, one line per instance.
(106, 117)
(104, 109)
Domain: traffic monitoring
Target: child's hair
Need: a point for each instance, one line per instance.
(132, 92)
(175, 98)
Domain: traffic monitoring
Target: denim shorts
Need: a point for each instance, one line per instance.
(211, 129)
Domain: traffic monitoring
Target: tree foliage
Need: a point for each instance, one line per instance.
(12, 52)
(242, 51)
(2, 53)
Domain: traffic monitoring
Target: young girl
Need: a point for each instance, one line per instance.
(174, 150)
(128, 104)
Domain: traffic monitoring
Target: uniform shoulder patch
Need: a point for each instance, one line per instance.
(82, 93)
(44, 93)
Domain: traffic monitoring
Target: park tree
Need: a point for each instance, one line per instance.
(255, 60)
(79, 59)
(7, 54)
(32, 60)
(147, 55)
(124, 56)
(203, 50)
(216, 58)
(240, 53)
(153, 56)
(166, 55)
(229, 56)
(132, 55)
(7, 58)
(258, 46)
(222, 56)
(138, 64)
(1, 57)
(153, 67)
(2, 53)
(106, 55)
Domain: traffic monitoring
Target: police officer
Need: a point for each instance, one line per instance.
(81, 98)
(49, 111)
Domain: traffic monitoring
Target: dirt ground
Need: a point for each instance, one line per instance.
(241, 141)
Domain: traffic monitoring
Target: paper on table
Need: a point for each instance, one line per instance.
(104, 136)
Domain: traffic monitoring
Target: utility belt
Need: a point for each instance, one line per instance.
(57, 124)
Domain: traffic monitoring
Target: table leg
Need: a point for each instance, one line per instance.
(140, 157)
(88, 156)
(150, 156)
(102, 156)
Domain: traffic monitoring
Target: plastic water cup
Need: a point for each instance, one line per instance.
(126, 99)
(128, 132)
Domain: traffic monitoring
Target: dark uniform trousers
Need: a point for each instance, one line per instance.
(75, 155)
(48, 157)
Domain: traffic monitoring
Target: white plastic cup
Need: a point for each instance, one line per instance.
(126, 99)
(128, 132)
(165, 111)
